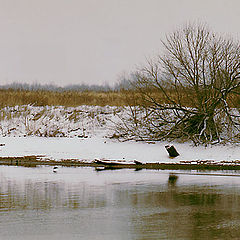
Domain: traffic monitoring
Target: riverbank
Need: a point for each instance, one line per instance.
(34, 161)
(88, 149)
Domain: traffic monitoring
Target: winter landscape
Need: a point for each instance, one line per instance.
(119, 120)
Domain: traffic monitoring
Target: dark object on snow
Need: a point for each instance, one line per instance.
(55, 169)
(2, 144)
(172, 151)
(137, 162)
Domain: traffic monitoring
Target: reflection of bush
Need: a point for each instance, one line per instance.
(46, 196)
(193, 213)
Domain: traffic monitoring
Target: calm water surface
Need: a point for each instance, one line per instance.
(81, 203)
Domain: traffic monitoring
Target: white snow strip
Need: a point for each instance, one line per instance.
(101, 148)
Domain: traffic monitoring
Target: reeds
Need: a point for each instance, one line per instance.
(12, 97)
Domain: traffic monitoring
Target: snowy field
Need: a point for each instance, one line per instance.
(84, 132)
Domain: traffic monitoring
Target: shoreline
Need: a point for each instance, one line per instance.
(34, 161)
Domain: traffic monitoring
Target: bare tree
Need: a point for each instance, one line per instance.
(191, 90)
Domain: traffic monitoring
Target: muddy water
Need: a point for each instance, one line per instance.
(81, 203)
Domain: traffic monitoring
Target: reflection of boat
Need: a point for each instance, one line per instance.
(138, 169)
(103, 168)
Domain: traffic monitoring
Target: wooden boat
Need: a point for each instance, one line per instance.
(108, 162)
(114, 163)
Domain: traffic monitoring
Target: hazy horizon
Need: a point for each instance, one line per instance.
(65, 42)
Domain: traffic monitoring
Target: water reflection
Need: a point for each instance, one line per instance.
(125, 204)
(48, 195)
(172, 179)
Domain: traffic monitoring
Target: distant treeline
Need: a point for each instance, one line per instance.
(124, 84)
(36, 94)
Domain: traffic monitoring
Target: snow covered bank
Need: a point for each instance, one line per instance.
(49, 121)
(83, 133)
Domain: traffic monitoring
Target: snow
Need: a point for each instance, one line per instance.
(59, 121)
(102, 148)
(86, 132)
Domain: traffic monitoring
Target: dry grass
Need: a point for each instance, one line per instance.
(66, 98)
(12, 97)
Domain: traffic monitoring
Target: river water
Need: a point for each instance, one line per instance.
(81, 203)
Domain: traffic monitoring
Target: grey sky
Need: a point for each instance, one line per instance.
(95, 41)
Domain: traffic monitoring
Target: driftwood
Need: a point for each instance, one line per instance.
(137, 162)
(172, 151)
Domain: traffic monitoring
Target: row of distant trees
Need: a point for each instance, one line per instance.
(121, 84)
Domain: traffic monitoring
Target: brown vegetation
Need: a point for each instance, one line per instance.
(12, 97)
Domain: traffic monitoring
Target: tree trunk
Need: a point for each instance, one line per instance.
(172, 151)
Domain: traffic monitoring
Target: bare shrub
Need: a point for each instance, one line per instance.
(190, 90)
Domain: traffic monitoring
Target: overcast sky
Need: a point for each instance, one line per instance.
(95, 41)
